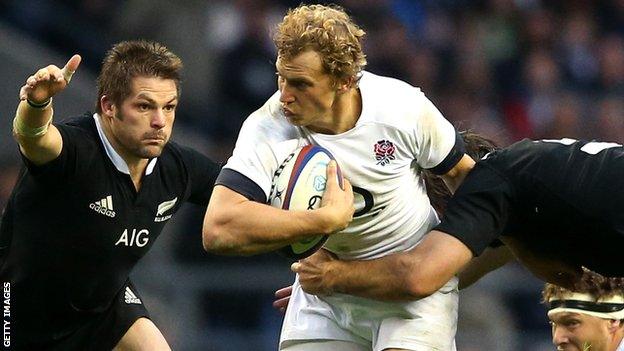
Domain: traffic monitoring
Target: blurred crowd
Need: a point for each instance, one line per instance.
(507, 68)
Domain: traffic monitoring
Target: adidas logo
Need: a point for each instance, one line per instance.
(104, 206)
(130, 297)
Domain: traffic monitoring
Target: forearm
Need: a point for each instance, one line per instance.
(250, 227)
(409, 275)
(491, 259)
(33, 117)
(39, 142)
(384, 279)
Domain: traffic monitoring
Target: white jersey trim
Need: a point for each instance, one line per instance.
(112, 154)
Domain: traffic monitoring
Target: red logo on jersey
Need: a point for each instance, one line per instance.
(384, 152)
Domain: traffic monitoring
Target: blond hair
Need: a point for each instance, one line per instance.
(591, 283)
(330, 32)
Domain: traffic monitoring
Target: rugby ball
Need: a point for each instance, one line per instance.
(299, 184)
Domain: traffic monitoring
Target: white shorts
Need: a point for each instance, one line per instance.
(422, 325)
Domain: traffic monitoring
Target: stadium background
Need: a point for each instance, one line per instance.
(506, 68)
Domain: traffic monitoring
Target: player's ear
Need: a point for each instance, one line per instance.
(614, 325)
(344, 84)
(107, 106)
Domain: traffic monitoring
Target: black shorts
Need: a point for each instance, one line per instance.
(102, 332)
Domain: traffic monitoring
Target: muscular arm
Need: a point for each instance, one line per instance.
(236, 225)
(38, 149)
(39, 88)
(491, 259)
(398, 277)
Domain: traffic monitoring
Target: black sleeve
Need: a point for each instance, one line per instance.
(241, 184)
(202, 173)
(453, 157)
(67, 157)
(478, 212)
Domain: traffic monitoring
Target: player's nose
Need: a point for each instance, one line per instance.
(286, 95)
(560, 338)
(158, 119)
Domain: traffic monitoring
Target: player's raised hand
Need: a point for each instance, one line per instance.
(337, 202)
(313, 272)
(282, 297)
(48, 81)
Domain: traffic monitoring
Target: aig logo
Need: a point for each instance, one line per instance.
(136, 238)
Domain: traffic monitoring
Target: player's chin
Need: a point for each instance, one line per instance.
(150, 151)
(296, 120)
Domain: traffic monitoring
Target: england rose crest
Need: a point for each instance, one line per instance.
(384, 152)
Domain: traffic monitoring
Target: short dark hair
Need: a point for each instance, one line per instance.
(129, 59)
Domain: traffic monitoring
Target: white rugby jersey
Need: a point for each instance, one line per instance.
(399, 132)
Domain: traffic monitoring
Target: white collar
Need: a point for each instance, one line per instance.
(621, 347)
(112, 154)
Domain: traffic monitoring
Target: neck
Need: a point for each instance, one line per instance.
(345, 112)
(136, 165)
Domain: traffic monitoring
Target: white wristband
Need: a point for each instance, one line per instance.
(21, 129)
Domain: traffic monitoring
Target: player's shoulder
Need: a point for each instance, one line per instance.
(174, 153)
(267, 124)
(529, 148)
(82, 122)
(391, 100)
(388, 87)
(527, 157)
(81, 129)
(267, 116)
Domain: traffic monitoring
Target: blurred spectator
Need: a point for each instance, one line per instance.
(507, 68)
(611, 57)
(609, 118)
(542, 80)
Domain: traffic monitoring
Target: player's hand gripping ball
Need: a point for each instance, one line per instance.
(299, 184)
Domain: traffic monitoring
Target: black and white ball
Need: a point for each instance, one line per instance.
(299, 184)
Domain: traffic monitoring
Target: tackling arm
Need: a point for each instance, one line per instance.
(398, 277)
(491, 259)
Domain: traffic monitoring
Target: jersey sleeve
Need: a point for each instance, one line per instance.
(248, 170)
(66, 159)
(257, 154)
(202, 172)
(479, 211)
(437, 145)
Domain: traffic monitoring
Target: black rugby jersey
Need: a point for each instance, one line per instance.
(563, 198)
(75, 227)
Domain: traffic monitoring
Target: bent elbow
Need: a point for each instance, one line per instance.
(209, 238)
(214, 237)
(419, 287)
(218, 240)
